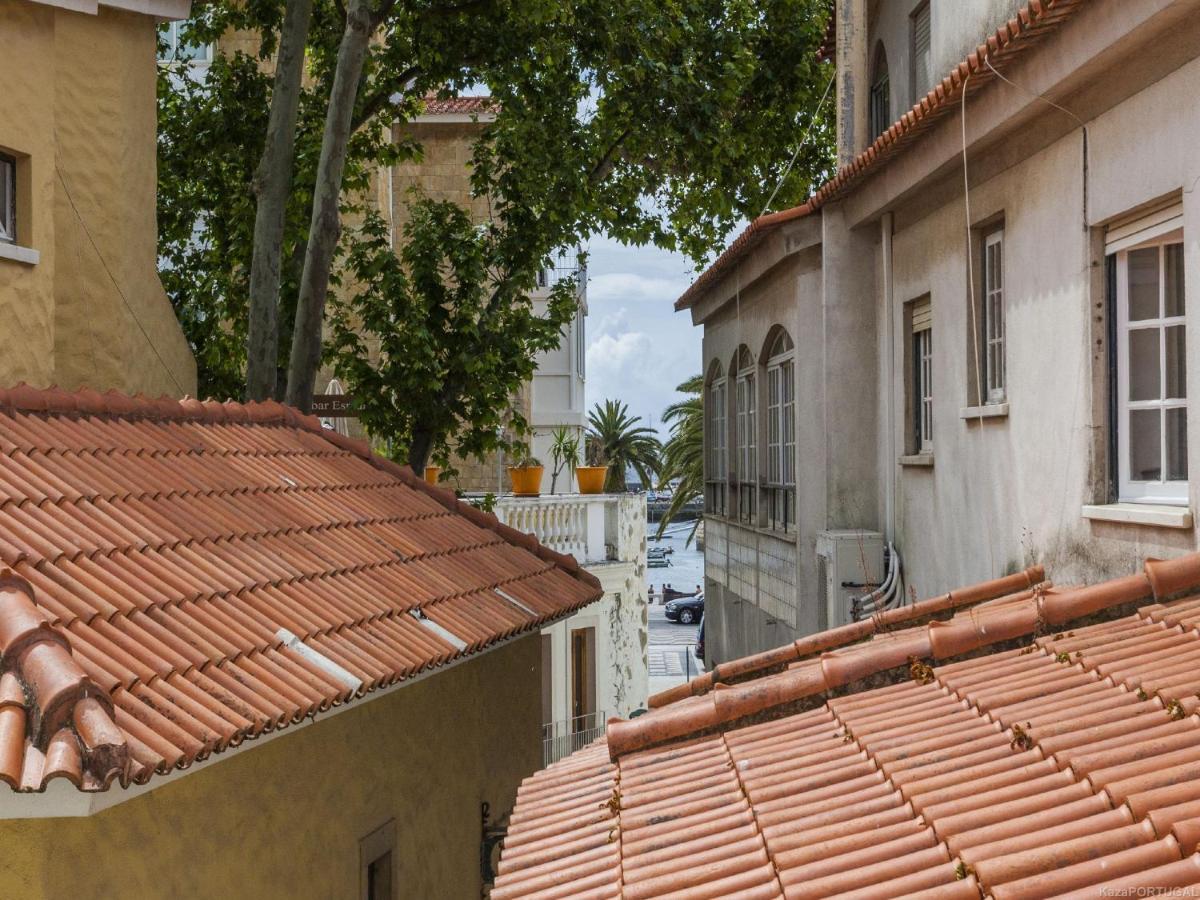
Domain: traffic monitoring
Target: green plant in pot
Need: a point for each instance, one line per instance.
(592, 476)
(526, 477)
(564, 451)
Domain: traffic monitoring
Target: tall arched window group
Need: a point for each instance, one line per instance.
(750, 408)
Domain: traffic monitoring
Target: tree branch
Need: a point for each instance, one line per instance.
(604, 167)
(382, 97)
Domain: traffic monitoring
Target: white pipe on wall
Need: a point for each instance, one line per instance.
(887, 225)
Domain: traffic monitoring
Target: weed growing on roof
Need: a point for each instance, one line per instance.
(1062, 656)
(614, 802)
(1022, 740)
(962, 871)
(1142, 695)
(922, 673)
(1175, 709)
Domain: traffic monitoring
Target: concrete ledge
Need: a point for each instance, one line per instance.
(918, 459)
(987, 411)
(16, 253)
(1160, 515)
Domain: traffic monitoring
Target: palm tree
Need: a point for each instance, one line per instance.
(616, 435)
(683, 454)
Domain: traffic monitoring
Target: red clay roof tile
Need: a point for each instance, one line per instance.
(1057, 762)
(159, 552)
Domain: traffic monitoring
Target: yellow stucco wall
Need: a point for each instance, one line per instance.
(78, 113)
(284, 819)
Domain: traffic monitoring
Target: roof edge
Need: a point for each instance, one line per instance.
(985, 625)
(974, 72)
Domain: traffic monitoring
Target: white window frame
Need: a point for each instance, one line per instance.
(922, 377)
(1160, 491)
(746, 430)
(8, 199)
(781, 436)
(995, 374)
(172, 58)
(716, 475)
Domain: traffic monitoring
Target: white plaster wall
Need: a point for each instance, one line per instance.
(620, 620)
(1009, 492)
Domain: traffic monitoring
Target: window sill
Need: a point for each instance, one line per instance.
(918, 459)
(1160, 515)
(16, 253)
(987, 411)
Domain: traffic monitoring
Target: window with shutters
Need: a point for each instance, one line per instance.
(716, 442)
(745, 429)
(921, 62)
(921, 376)
(1150, 359)
(780, 485)
(880, 103)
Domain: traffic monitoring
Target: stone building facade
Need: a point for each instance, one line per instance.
(985, 378)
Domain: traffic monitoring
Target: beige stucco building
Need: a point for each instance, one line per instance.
(984, 378)
(80, 299)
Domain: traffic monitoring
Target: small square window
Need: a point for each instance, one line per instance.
(8, 199)
(377, 863)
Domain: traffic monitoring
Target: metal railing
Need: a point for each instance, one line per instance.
(563, 738)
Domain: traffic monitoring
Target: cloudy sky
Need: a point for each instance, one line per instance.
(638, 347)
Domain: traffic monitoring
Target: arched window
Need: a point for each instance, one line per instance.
(745, 411)
(880, 104)
(716, 462)
(780, 487)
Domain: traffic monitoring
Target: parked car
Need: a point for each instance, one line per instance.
(700, 640)
(685, 610)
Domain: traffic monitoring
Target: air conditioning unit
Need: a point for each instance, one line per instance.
(850, 565)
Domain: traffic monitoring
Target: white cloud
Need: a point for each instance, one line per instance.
(638, 348)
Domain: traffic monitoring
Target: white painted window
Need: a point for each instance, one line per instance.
(922, 376)
(715, 414)
(179, 49)
(781, 433)
(746, 426)
(919, 51)
(8, 199)
(1151, 377)
(993, 317)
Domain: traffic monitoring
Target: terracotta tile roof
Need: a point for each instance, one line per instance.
(182, 576)
(461, 106)
(1040, 744)
(1033, 21)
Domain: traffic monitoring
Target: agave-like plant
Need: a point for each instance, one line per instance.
(623, 442)
(683, 453)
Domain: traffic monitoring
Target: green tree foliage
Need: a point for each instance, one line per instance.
(623, 443)
(683, 453)
(653, 123)
(431, 348)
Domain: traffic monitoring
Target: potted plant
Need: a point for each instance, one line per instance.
(591, 477)
(526, 477)
(565, 452)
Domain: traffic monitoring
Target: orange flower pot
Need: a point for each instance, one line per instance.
(432, 473)
(526, 482)
(591, 478)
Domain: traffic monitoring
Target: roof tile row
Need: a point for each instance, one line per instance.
(1061, 763)
(182, 576)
